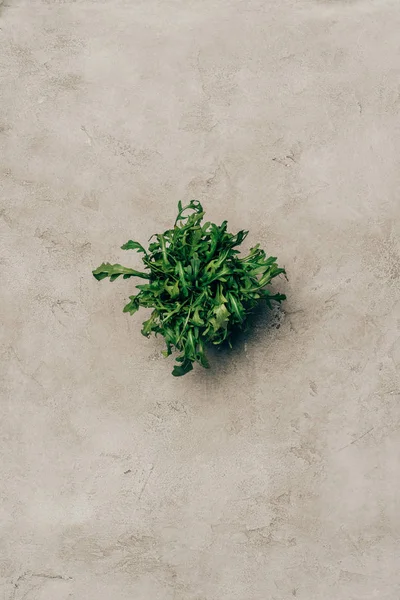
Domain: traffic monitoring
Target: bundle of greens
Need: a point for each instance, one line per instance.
(200, 290)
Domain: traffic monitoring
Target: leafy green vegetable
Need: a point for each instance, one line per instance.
(199, 287)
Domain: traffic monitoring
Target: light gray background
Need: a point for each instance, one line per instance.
(276, 474)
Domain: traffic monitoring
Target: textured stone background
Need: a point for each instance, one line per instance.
(276, 474)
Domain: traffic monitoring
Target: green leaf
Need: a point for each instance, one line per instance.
(168, 351)
(148, 326)
(181, 273)
(257, 269)
(268, 276)
(195, 263)
(133, 305)
(172, 289)
(203, 360)
(236, 307)
(170, 335)
(219, 297)
(114, 271)
(275, 297)
(190, 346)
(185, 367)
(131, 245)
(221, 318)
(239, 238)
(196, 319)
(161, 239)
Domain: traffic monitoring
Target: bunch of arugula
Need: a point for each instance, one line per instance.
(200, 290)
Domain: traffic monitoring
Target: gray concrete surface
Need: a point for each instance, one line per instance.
(275, 475)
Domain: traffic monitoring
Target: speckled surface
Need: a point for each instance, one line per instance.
(275, 475)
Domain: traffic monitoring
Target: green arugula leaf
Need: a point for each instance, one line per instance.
(173, 290)
(221, 317)
(132, 306)
(185, 367)
(114, 271)
(149, 325)
(131, 245)
(196, 318)
(236, 307)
